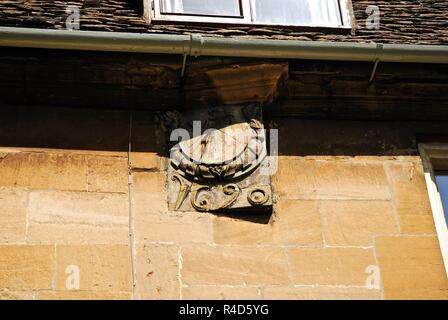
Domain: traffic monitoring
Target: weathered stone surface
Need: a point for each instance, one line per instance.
(236, 230)
(336, 138)
(147, 137)
(208, 265)
(158, 272)
(149, 182)
(146, 160)
(330, 266)
(248, 255)
(297, 222)
(149, 203)
(317, 92)
(107, 174)
(228, 85)
(17, 295)
(221, 293)
(320, 293)
(83, 295)
(222, 167)
(101, 267)
(324, 90)
(412, 267)
(60, 129)
(411, 197)
(66, 233)
(44, 171)
(155, 224)
(62, 151)
(26, 267)
(355, 223)
(184, 228)
(78, 217)
(299, 178)
(64, 171)
(13, 204)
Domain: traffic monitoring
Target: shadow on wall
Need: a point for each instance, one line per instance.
(102, 130)
(65, 128)
(109, 130)
(355, 138)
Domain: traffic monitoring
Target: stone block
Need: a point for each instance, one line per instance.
(219, 265)
(158, 272)
(221, 293)
(412, 267)
(83, 295)
(411, 197)
(320, 293)
(44, 171)
(26, 267)
(13, 206)
(299, 178)
(67, 217)
(101, 267)
(330, 266)
(107, 174)
(355, 223)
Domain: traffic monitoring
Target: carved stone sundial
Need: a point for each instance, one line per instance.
(218, 165)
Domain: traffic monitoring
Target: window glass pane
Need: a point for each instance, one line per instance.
(228, 8)
(442, 185)
(298, 12)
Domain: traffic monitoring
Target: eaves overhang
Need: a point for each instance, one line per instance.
(198, 45)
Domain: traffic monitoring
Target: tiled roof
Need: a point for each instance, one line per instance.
(406, 21)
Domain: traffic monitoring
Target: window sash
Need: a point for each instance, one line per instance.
(435, 158)
(310, 12)
(203, 18)
(441, 177)
(247, 8)
(211, 14)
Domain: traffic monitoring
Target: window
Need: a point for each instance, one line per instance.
(310, 13)
(435, 163)
(230, 8)
(442, 185)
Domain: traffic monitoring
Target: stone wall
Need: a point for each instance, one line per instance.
(351, 202)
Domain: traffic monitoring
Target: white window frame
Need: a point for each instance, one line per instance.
(246, 19)
(158, 16)
(429, 152)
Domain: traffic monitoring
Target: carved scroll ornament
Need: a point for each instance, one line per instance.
(219, 169)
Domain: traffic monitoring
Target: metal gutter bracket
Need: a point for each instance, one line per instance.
(379, 55)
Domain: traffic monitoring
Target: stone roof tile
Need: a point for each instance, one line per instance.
(405, 21)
